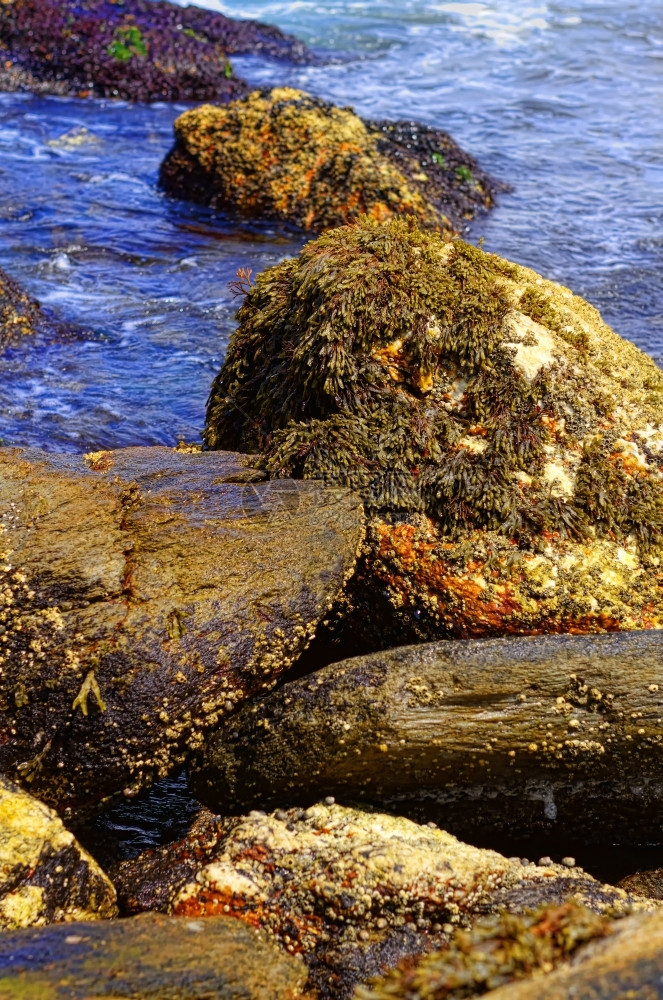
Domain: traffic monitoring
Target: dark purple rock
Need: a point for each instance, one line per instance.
(139, 50)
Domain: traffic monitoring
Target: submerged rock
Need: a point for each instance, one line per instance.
(497, 950)
(282, 154)
(527, 736)
(45, 875)
(145, 593)
(140, 50)
(350, 891)
(147, 957)
(22, 316)
(507, 444)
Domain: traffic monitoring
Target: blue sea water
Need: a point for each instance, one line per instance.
(561, 99)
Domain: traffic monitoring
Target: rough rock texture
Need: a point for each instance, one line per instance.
(45, 875)
(648, 883)
(140, 50)
(145, 593)
(351, 891)
(282, 154)
(145, 958)
(627, 965)
(495, 951)
(519, 736)
(506, 442)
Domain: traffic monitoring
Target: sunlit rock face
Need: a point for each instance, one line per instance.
(507, 444)
(282, 154)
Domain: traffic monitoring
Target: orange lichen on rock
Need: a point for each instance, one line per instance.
(282, 154)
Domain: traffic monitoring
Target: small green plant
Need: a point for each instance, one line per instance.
(228, 70)
(464, 173)
(128, 42)
(190, 33)
(439, 160)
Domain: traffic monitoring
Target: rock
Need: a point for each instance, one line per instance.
(138, 49)
(626, 964)
(522, 736)
(497, 950)
(145, 593)
(648, 883)
(21, 316)
(507, 444)
(282, 154)
(351, 891)
(146, 957)
(45, 875)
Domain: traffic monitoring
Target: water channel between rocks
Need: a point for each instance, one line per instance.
(562, 100)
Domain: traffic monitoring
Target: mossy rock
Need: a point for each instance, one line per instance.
(137, 49)
(497, 950)
(625, 965)
(282, 154)
(145, 593)
(507, 444)
(45, 875)
(145, 958)
(352, 891)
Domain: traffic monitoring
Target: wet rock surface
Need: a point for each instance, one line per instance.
(507, 444)
(351, 891)
(146, 957)
(497, 950)
(513, 736)
(45, 875)
(145, 593)
(138, 50)
(21, 316)
(282, 154)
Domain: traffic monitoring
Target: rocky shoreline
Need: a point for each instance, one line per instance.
(408, 591)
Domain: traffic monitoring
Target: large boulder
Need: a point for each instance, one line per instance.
(525, 736)
(147, 957)
(507, 444)
(137, 49)
(145, 593)
(284, 155)
(45, 875)
(350, 891)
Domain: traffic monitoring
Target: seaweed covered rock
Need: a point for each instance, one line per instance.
(45, 875)
(522, 737)
(144, 594)
(140, 50)
(507, 444)
(351, 891)
(499, 949)
(628, 963)
(282, 154)
(147, 957)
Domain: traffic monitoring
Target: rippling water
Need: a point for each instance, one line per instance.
(563, 100)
